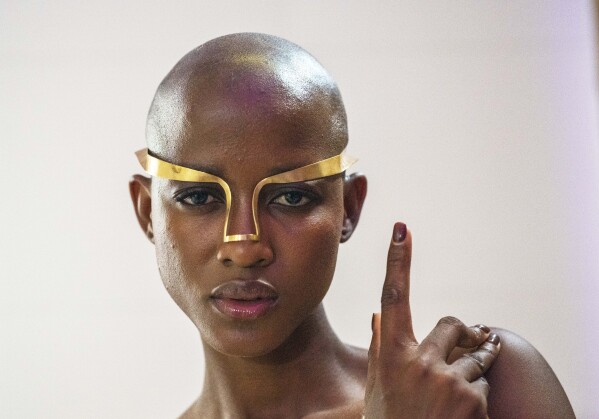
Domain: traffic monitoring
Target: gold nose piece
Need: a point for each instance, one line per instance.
(324, 168)
(241, 237)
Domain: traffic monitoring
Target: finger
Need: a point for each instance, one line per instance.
(396, 317)
(481, 389)
(451, 332)
(474, 364)
(373, 352)
(482, 386)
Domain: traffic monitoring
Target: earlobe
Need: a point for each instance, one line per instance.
(140, 190)
(354, 194)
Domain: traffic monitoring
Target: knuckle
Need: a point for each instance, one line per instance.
(443, 378)
(485, 383)
(434, 347)
(489, 348)
(452, 322)
(477, 360)
(392, 295)
(453, 379)
(396, 257)
(477, 333)
(421, 367)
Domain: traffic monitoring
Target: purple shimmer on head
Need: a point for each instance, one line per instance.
(259, 74)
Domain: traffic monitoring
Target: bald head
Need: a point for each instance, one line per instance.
(240, 82)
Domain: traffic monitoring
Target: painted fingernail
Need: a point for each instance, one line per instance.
(399, 232)
(483, 328)
(493, 338)
(372, 322)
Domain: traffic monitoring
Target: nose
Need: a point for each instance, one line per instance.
(240, 219)
(245, 254)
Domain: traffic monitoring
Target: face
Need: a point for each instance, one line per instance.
(247, 298)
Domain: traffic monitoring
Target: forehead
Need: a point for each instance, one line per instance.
(254, 122)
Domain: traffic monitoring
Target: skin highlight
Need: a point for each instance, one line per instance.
(247, 106)
(263, 76)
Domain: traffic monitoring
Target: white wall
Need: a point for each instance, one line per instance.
(476, 122)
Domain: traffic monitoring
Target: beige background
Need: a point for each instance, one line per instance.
(476, 122)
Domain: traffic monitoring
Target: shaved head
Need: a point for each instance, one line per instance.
(245, 80)
(247, 190)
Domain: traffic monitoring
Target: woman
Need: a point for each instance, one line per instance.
(247, 205)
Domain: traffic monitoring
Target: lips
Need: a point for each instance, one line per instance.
(244, 299)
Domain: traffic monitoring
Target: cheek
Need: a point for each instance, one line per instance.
(310, 253)
(169, 256)
(183, 250)
(322, 255)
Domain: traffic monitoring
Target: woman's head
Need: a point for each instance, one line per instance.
(245, 107)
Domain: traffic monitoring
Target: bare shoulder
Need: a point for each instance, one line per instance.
(523, 385)
(190, 413)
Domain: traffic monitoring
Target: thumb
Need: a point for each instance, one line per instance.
(373, 353)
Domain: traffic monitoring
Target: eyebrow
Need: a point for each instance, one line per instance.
(315, 182)
(284, 169)
(211, 170)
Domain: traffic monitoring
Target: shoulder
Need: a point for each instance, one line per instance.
(523, 385)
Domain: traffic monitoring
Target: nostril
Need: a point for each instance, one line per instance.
(223, 258)
(245, 254)
(265, 262)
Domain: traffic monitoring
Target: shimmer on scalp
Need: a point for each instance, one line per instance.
(250, 73)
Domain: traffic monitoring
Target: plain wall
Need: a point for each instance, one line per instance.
(476, 122)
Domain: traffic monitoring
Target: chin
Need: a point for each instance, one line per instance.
(271, 336)
(243, 343)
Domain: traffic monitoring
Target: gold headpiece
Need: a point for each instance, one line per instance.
(328, 167)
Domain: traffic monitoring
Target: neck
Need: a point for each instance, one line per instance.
(312, 371)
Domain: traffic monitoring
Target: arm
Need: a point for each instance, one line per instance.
(522, 384)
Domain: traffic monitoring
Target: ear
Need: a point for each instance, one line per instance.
(354, 193)
(139, 188)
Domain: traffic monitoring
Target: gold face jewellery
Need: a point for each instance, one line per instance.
(324, 168)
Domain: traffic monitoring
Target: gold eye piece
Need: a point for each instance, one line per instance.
(324, 168)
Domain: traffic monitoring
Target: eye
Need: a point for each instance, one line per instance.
(292, 199)
(197, 198)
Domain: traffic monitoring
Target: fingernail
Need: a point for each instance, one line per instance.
(493, 338)
(483, 328)
(372, 322)
(399, 232)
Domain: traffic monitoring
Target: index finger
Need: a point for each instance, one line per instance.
(396, 316)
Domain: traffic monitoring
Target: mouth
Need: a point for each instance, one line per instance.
(244, 300)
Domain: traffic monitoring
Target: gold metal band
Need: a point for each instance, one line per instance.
(324, 168)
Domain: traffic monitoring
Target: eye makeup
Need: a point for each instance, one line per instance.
(323, 168)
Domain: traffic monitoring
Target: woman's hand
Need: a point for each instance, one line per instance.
(407, 379)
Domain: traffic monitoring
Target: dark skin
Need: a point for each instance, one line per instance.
(247, 106)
